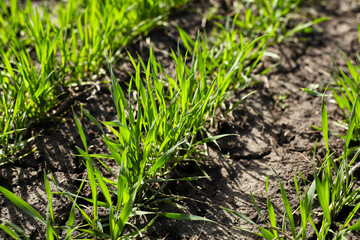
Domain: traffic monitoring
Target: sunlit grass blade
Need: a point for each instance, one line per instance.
(302, 26)
(50, 218)
(17, 229)
(71, 218)
(240, 215)
(164, 158)
(287, 206)
(10, 232)
(126, 210)
(185, 217)
(270, 208)
(352, 123)
(93, 187)
(351, 216)
(323, 191)
(265, 233)
(81, 131)
(24, 206)
(324, 120)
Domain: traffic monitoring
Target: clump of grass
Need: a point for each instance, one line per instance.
(269, 17)
(346, 96)
(345, 93)
(49, 52)
(265, 19)
(12, 25)
(149, 134)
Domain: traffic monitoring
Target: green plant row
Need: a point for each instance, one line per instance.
(45, 52)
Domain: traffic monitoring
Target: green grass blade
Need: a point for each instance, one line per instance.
(355, 227)
(267, 234)
(256, 207)
(42, 87)
(287, 206)
(17, 229)
(10, 232)
(186, 40)
(271, 210)
(81, 131)
(164, 158)
(185, 217)
(350, 216)
(322, 188)
(302, 26)
(125, 213)
(92, 182)
(351, 127)
(324, 119)
(24, 206)
(71, 219)
(48, 193)
(240, 216)
(103, 187)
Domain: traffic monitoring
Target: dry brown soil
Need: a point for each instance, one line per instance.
(273, 128)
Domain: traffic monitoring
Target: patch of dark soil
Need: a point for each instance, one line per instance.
(248, 124)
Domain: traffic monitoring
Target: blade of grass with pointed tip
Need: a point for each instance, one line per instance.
(300, 27)
(257, 207)
(49, 197)
(270, 209)
(351, 127)
(185, 217)
(240, 101)
(355, 227)
(324, 120)
(81, 131)
(322, 188)
(350, 216)
(265, 233)
(287, 206)
(92, 182)
(71, 219)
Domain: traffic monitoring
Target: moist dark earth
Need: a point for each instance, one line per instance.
(273, 130)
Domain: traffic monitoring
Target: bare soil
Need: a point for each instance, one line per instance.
(273, 128)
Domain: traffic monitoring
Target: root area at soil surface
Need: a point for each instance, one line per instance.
(272, 126)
